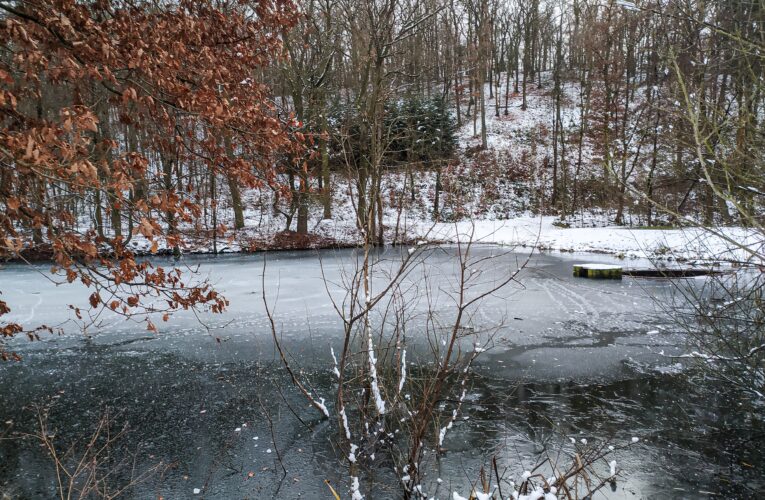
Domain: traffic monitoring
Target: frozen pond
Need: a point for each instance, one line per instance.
(588, 358)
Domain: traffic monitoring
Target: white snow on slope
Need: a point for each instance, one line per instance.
(685, 243)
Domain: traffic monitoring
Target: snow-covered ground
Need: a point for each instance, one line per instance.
(593, 233)
(507, 225)
(669, 244)
(528, 129)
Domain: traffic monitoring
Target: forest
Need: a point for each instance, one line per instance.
(117, 126)
(427, 153)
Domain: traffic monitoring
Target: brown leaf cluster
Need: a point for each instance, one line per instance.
(180, 77)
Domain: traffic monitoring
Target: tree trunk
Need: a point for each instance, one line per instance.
(302, 209)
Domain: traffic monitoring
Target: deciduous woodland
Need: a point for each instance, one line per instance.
(133, 130)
